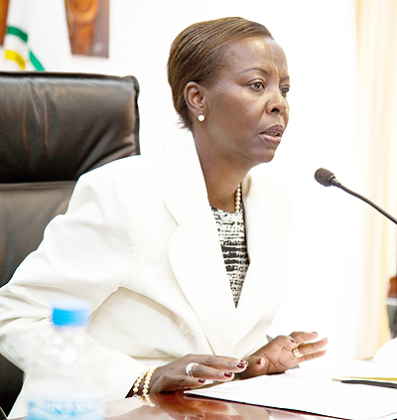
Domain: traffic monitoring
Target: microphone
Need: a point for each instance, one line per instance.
(327, 178)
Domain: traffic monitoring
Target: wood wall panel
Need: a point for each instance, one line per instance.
(88, 22)
(3, 18)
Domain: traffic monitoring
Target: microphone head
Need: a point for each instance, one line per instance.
(325, 177)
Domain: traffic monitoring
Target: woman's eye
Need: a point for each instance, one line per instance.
(257, 85)
(284, 90)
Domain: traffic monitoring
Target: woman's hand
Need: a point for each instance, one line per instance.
(277, 356)
(175, 375)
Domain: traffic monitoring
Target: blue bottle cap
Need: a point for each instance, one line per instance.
(70, 313)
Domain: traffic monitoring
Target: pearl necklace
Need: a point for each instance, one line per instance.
(237, 199)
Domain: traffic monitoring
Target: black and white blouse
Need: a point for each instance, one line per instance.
(231, 232)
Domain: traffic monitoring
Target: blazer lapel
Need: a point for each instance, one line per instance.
(195, 252)
(266, 230)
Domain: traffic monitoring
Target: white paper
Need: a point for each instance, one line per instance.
(310, 392)
(387, 354)
(366, 370)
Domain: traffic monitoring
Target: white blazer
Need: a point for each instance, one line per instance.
(140, 243)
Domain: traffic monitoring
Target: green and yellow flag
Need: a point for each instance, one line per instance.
(37, 36)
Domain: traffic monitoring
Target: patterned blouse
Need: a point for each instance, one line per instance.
(231, 232)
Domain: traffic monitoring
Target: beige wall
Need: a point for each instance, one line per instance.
(377, 53)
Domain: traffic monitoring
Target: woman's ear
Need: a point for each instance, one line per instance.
(194, 99)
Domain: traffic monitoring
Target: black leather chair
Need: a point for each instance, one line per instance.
(53, 128)
(2, 414)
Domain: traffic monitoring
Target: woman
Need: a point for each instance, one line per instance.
(140, 239)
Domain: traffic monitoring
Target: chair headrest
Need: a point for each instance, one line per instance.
(57, 126)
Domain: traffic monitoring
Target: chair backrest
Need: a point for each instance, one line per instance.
(56, 126)
(53, 128)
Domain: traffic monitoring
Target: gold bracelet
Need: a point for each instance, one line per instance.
(138, 381)
(149, 374)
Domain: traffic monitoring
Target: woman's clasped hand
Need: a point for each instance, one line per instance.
(280, 354)
(277, 356)
(194, 370)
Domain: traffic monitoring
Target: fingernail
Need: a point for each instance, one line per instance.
(228, 374)
(201, 380)
(241, 365)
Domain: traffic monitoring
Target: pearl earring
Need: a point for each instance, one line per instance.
(201, 117)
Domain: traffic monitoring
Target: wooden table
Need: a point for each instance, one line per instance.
(178, 406)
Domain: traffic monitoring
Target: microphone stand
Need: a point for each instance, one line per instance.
(327, 178)
(367, 201)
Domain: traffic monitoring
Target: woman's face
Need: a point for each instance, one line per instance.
(246, 105)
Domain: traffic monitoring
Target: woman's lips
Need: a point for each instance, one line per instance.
(272, 139)
(273, 135)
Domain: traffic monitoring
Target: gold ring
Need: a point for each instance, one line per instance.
(296, 352)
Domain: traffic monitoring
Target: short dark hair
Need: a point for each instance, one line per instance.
(196, 54)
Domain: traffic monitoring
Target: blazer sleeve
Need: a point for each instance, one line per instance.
(88, 253)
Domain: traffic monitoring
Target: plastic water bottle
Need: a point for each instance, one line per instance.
(63, 381)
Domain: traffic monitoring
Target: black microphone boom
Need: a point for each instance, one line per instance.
(327, 178)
